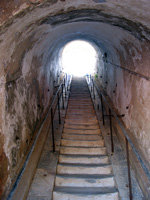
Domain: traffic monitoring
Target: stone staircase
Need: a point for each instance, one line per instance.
(83, 170)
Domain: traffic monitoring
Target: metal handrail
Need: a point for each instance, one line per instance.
(56, 99)
(102, 95)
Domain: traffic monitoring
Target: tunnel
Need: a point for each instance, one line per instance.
(33, 34)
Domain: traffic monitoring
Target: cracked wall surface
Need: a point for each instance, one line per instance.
(32, 35)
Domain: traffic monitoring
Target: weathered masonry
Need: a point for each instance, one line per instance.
(32, 36)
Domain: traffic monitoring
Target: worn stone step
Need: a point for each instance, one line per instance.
(77, 97)
(80, 121)
(80, 103)
(80, 95)
(80, 114)
(74, 102)
(84, 181)
(81, 110)
(68, 194)
(81, 117)
(80, 91)
(78, 143)
(81, 131)
(75, 111)
(80, 126)
(82, 137)
(76, 115)
(83, 169)
(83, 151)
(80, 106)
(83, 159)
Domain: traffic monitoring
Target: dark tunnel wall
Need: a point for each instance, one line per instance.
(32, 33)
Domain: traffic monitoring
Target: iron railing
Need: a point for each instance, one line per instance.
(128, 140)
(64, 85)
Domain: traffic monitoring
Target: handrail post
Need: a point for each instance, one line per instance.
(91, 83)
(62, 96)
(93, 89)
(68, 84)
(65, 87)
(129, 172)
(53, 139)
(111, 132)
(102, 108)
(58, 108)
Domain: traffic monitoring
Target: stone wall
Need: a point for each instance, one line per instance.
(27, 86)
(127, 84)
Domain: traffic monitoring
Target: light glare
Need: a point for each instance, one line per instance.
(79, 58)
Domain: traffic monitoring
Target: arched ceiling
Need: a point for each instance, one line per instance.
(43, 27)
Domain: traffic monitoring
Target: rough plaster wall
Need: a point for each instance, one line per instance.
(130, 92)
(3, 158)
(26, 90)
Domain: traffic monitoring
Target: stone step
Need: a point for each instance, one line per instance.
(80, 102)
(83, 151)
(84, 159)
(87, 107)
(79, 89)
(79, 121)
(81, 117)
(80, 95)
(80, 92)
(82, 137)
(81, 131)
(76, 103)
(89, 194)
(82, 121)
(81, 110)
(84, 181)
(85, 112)
(83, 169)
(80, 126)
(78, 143)
(80, 114)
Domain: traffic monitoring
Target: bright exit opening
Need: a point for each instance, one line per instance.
(79, 58)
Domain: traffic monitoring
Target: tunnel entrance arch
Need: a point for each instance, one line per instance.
(79, 58)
